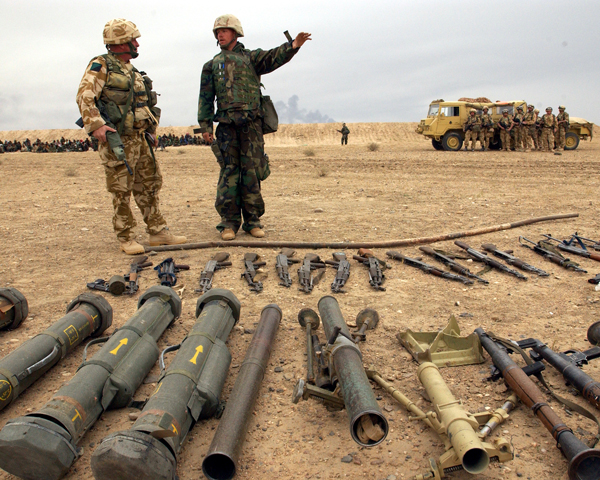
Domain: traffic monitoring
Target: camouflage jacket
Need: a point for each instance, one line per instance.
(548, 121)
(505, 122)
(486, 120)
(518, 119)
(529, 119)
(263, 62)
(92, 87)
(345, 130)
(563, 117)
(473, 122)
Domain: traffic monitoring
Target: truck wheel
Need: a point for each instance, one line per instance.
(571, 141)
(437, 145)
(452, 141)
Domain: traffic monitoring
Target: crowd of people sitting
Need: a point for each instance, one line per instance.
(64, 145)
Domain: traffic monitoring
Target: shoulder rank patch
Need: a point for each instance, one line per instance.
(96, 67)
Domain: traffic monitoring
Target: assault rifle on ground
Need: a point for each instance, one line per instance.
(417, 263)
(508, 258)
(376, 276)
(167, 271)
(455, 266)
(343, 271)
(250, 264)
(482, 257)
(282, 262)
(218, 262)
(547, 250)
(305, 278)
(567, 247)
(122, 284)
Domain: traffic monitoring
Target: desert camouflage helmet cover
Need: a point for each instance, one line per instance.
(536, 111)
(520, 107)
(228, 21)
(119, 31)
(561, 107)
(529, 106)
(473, 110)
(505, 111)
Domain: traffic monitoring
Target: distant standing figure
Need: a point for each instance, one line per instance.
(472, 129)
(344, 131)
(518, 129)
(548, 124)
(562, 120)
(505, 124)
(487, 133)
(529, 136)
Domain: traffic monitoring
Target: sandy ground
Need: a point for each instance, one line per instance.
(56, 235)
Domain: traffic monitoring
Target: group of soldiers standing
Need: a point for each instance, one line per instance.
(528, 130)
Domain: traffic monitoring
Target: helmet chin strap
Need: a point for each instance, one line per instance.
(225, 47)
(132, 51)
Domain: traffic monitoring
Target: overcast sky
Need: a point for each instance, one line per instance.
(369, 61)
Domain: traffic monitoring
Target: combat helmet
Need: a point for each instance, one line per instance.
(472, 111)
(530, 106)
(228, 21)
(485, 108)
(120, 31)
(561, 107)
(520, 107)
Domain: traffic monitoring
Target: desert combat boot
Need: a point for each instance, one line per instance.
(131, 247)
(164, 237)
(257, 232)
(227, 234)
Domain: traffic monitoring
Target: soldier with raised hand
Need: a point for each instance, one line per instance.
(344, 131)
(529, 133)
(232, 78)
(562, 120)
(111, 84)
(548, 124)
(505, 124)
(472, 129)
(487, 133)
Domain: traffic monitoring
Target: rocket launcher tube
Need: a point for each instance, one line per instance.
(87, 315)
(43, 444)
(187, 391)
(460, 427)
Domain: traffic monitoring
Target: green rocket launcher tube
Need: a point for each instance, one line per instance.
(87, 315)
(43, 444)
(13, 308)
(187, 391)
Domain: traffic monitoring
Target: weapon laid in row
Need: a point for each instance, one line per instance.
(251, 262)
(122, 284)
(217, 262)
(282, 262)
(566, 246)
(512, 260)
(305, 277)
(455, 266)
(343, 271)
(417, 263)
(483, 258)
(548, 251)
(375, 266)
(168, 270)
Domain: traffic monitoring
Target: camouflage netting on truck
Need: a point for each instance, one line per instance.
(475, 100)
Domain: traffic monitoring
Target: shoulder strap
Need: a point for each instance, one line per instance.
(109, 64)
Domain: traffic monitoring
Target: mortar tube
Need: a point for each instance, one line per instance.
(347, 360)
(221, 459)
(459, 426)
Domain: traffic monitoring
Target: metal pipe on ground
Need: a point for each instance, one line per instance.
(358, 245)
(43, 445)
(189, 390)
(221, 459)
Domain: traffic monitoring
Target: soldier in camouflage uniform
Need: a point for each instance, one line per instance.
(548, 124)
(529, 132)
(472, 129)
(344, 131)
(505, 124)
(537, 136)
(518, 129)
(232, 77)
(488, 129)
(563, 122)
(112, 82)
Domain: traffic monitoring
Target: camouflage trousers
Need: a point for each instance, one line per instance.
(145, 184)
(344, 139)
(547, 140)
(505, 139)
(238, 190)
(560, 137)
(519, 134)
(488, 135)
(472, 136)
(531, 137)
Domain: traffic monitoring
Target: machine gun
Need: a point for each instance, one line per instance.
(508, 258)
(217, 262)
(343, 271)
(167, 271)
(417, 263)
(122, 284)
(305, 278)
(455, 266)
(376, 276)
(566, 246)
(282, 262)
(250, 264)
(548, 251)
(482, 257)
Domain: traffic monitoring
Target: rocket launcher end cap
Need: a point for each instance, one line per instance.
(34, 448)
(220, 294)
(20, 306)
(130, 454)
(159, 291)
(99, 303)
(593, 333)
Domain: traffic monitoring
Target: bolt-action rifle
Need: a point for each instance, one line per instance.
(305, 278)
(122, 284)
(567, 247)
(508, 258)
(282, 262)
(218, 262)
(376, 276)
(250, 264)
(548, 251)
(482, 257)
(167, 272)
(343, 271)
(417, 263)
(455, 266)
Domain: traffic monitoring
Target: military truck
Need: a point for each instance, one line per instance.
(444, 123)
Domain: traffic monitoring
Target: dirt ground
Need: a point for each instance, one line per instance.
(56, 235)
